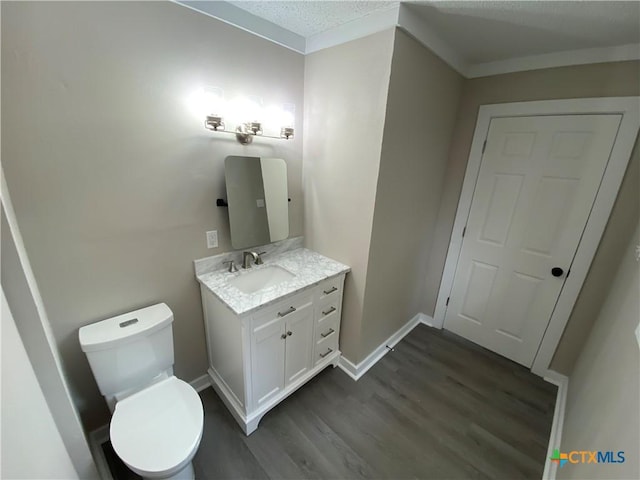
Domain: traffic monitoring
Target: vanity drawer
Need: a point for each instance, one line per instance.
(328, 327)
(331, 288)
(284, 308)
(325, 347)
(330, 307)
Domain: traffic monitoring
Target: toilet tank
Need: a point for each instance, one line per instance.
(129, 350)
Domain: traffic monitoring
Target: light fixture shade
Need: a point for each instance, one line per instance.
(207, 101)
(255, 127)
(254, 109)
(288, 115)
(213, 98)
(286, 132)
(215, 123)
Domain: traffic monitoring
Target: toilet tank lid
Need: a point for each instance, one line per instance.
(124, 328)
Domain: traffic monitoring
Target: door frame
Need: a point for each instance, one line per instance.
(629, 108)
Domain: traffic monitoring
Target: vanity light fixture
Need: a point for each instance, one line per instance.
(252, 108)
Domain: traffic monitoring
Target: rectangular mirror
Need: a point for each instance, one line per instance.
(258, 200)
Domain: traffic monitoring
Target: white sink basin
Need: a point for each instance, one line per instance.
(256, 280)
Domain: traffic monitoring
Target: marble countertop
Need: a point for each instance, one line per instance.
(309, 268)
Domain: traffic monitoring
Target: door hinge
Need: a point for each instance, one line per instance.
(484, 145)
(447, 304)
(464, 230)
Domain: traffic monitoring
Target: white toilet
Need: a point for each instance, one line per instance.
(157, 419)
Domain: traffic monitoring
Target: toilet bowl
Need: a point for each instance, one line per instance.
(157, 431)
(157, 420)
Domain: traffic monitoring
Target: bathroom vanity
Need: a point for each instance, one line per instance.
(269, 328)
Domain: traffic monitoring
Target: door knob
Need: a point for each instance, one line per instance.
(557, 271)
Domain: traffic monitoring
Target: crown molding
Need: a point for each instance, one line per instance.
(361, 27)
(248, 22)
(557, 59)
(400, 16)
(417, 28)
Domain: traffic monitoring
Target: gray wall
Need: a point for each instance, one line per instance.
(420, 117)
(597, 80)
(602, 404)
(345, 97)
(112, 177)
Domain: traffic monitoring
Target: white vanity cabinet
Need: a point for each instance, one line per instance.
(281, 347)
(259, 358)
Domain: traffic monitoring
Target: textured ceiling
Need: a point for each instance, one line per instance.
(307, 18)
(485, 31)
(478, 31)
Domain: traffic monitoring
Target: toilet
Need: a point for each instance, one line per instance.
(157, 419)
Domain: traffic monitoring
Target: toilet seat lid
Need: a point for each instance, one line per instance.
(156, 429)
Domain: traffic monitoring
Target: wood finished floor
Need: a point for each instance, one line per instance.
(436, 407)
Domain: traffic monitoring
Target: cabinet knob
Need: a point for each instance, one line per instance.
(283, 336)
(289, 333)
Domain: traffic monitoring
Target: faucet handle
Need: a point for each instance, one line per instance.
(259, 258)
(232, 266)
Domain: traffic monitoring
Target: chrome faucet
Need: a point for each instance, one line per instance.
(247, 256)
(246, 259)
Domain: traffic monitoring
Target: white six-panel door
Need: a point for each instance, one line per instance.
(537, 183)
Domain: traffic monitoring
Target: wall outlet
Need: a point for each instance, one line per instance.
(212, 239)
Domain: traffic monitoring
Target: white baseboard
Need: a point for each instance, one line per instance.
(357, 371)
(201, 383)
(562, 381)
(429, 321)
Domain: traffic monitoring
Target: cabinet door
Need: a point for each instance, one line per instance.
(268, 360)
(299, 345)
